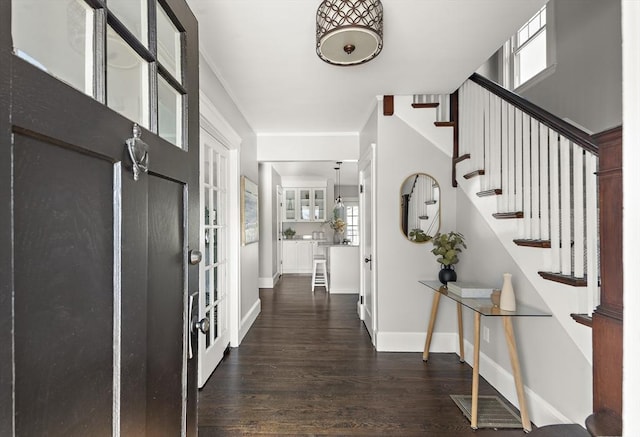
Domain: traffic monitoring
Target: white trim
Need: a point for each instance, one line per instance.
(117, 297)
(249, 319)
(307, 134)
(631, 214)
(540, 411)
(235, 278)
(344, 290)
(441, 342)
(268, 282)
(214, 122)
(539, 77)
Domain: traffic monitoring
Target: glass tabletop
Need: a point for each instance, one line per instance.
(484, 305)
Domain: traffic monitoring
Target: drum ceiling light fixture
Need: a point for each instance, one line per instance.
(349, 32)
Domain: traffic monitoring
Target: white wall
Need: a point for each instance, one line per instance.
(403, 303)
(587, 84)
(308, 147)
(215, 92)
(268, 210)
(555, 371)
(631, 232)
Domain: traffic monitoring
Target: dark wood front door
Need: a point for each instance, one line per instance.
(94, 279)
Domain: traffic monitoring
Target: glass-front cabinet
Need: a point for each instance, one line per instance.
(319, 204)
(290, 204)
(304, 204)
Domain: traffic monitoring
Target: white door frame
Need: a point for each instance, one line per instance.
(369, 159)
(279, 233)
(215, 124)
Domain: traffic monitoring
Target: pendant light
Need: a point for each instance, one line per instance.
(339, 203)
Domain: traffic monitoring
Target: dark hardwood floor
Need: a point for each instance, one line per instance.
(307, 367)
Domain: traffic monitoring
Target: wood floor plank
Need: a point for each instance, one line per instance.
(307, 367)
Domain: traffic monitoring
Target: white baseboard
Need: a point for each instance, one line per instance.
(414, 342)
(268, 282)
(342, 290)
(249, 318)
(540, 411)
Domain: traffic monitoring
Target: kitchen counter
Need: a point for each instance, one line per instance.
(344, 268)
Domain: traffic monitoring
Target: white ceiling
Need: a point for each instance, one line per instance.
(263, 52)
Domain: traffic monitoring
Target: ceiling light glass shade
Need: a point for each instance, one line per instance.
(348, 32)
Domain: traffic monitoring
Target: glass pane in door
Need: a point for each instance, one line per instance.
(169, 47)
(169, 113)
(206, 167)
(214, 207)
(127, 80)
(133, 14)
(56, 37)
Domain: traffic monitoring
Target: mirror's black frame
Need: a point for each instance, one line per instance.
(430, 195)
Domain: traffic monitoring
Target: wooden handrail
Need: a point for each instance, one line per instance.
(574, 134)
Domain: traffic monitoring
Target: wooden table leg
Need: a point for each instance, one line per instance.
(476, 371)
(432, 322)
(517, 375)
(460, 332)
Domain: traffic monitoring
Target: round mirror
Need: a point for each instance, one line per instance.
(420, 207)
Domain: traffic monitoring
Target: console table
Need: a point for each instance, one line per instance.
(483, 307)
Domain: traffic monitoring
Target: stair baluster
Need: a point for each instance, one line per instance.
(543, 175)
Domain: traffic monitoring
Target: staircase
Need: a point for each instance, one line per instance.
(534, 178)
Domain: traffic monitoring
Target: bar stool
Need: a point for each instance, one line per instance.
(319, 278)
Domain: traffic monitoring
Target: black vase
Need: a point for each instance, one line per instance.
(447, 274)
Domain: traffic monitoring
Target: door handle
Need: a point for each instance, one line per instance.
(370, 261)
(191, 298)
(202, 325)
(195, 256)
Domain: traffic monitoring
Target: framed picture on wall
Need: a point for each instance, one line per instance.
(249, 210)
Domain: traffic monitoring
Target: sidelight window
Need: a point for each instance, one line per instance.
(127, 54)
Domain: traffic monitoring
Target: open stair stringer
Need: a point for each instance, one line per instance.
(422, 121)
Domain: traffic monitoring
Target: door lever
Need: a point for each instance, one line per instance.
(369, 260)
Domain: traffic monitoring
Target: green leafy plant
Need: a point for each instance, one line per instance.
(418, 235)
(289, 233)
(447, 247)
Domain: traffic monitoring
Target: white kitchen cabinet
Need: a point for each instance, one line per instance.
(297, 256)
(304, 205)
(290, 204)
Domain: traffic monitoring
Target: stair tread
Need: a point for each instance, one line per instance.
(564, 279)
(492, 192)
(425, 105)
(583, 319)
(445, 123)
(474, 173)
(532, 243)
(461, 158)
(509, 215)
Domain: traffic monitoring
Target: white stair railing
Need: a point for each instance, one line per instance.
(544, 175)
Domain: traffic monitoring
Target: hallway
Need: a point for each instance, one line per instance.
(307, 367)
